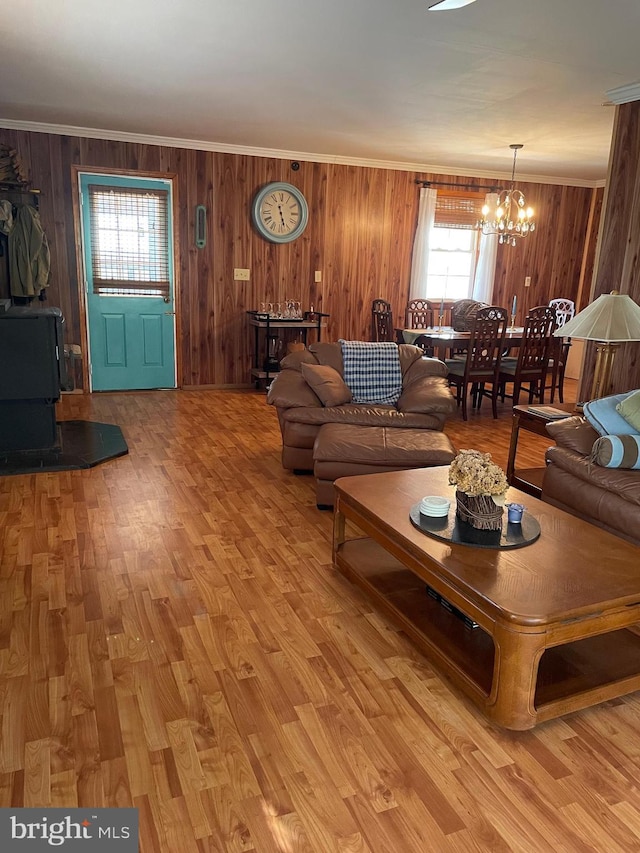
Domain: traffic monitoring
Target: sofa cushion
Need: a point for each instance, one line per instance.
(329, 353)
(290, 390)
(605, 419)
(382, 447)
(364, 415)
(574, 433)
(629, 408)
(617, 451)
(624, 484)
(327, 383)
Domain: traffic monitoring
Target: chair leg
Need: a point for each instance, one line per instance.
(494, 400)
(464, 402)
(560, 385)
(516, 393)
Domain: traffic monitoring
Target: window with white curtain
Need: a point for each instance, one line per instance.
(453, 246)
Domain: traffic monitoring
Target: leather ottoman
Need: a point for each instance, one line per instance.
(343, 450)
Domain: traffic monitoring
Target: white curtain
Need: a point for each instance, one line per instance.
(486, 268)
(420, 258)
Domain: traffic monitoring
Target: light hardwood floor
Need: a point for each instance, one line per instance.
(173, 636)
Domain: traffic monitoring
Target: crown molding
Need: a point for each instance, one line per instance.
(624, 94)
(246, 150)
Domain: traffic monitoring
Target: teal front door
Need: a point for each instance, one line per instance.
(127, 237)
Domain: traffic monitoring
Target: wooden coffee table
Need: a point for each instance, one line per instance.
(557, 619)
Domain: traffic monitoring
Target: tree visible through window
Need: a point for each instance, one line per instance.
(129, 241)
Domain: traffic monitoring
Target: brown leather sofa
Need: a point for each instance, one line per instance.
(607, 497)
(425, 402)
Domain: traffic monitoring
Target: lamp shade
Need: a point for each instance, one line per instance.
(612, 317)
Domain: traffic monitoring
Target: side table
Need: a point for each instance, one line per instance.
(531, 419)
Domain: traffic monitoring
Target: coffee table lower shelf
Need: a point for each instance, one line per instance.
(568, 676)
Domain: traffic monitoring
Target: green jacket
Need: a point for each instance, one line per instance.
(29, 258)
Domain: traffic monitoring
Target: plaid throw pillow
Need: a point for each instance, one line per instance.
(372, 371)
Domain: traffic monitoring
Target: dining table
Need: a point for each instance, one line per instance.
(443, 338)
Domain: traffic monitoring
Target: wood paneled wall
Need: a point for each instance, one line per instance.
(618, 261)
(360, 236)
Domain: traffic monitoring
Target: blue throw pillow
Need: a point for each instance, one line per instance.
(604, 418)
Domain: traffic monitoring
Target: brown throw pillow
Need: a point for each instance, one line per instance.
(327, 384)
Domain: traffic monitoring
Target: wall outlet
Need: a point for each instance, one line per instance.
(527, 281)
(240, 275)
(318, 276)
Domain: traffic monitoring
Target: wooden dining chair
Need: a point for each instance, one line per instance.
(529, 370)
(565, 309)
(419, 315)
(482, 363)
(381, 321)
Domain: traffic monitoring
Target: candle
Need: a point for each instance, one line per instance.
(442, 306)
(513, 307)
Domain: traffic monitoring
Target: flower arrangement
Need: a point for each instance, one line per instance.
(473, 473)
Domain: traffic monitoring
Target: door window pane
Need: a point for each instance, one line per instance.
(129, 241)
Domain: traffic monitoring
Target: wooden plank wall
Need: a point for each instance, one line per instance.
(360, 236)
(618, 261)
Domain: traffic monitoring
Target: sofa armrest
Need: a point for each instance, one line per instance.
(289, 390)
(574, 433)
(427, 395)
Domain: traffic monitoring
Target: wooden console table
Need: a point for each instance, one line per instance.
(556, 619)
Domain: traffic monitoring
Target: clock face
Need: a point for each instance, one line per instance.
(280, 212)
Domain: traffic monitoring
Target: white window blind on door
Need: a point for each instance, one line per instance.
(129, 241)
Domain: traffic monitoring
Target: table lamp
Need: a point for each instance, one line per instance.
(613, 318)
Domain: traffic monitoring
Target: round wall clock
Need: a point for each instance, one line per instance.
(280, 212)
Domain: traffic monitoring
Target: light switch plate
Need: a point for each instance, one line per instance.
(318, 276)
(240, 275)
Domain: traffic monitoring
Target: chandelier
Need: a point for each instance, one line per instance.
(510, 219)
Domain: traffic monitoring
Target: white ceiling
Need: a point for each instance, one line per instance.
(382, 80)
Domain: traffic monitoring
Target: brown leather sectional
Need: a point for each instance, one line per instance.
(607, 497)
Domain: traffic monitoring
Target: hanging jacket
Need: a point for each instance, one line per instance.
(6, 216)
(29, 259)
